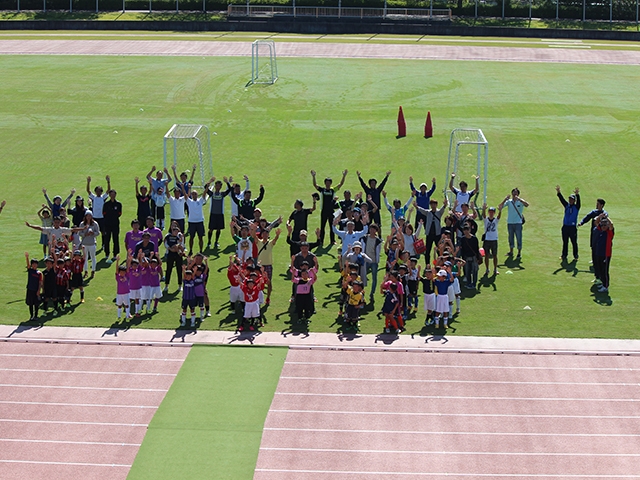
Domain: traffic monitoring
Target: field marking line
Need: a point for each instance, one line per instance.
(444, 452)
(70, 442)
(64, 422)
(30, 370)
(435, 414)
(444, 474)
(71, 387)
(74, 464)
(61, 404)
(488, 367)
(493, 382)
(459, 397)
(474, 433)
(87, 357)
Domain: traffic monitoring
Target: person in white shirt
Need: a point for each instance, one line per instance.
(97, 202)
(195, 206)
(463, 195)
(490, 237)
(176, 205)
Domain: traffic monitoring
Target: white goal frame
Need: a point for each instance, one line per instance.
(270, 70)
(192, 141)
(467, 140)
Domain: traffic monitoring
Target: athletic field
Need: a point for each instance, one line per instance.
(549, 110)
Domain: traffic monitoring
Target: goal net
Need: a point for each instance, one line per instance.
(186, 146)
(468, 156)
(264, 69)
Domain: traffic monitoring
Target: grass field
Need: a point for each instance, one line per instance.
(59, 116)
(210, 423)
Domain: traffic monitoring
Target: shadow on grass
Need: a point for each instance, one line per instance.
(601, 298)
(44, 317)
(570, 267)
(487, 281)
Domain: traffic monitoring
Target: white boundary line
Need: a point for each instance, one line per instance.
(30, 370)
(62, 422)
(456, 397)
(72, 387)
(74, 464)
(444, 452)
(488, 367)
(445, 474)
(436, 414)
(474, 433)
(484, 382)
(87, 357)
(70, 442)
(61, 404)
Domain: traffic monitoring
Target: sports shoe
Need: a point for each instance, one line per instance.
(208, 246)
(193, 323)
(398, 331)
(208, 314)
(165, 289)
(82, 300)
(109, 261)
(603, 289)
(387, 330)
(180, 288)
(446, 325)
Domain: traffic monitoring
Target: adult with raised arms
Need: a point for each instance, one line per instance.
(328, 205)
(463, 195)
(569, 222)
(373, 190)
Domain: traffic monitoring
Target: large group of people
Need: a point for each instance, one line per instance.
(438, 253)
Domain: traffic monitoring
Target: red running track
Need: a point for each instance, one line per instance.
(71, 411)
(372, 415)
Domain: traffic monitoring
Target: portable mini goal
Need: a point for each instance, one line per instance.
(188, 145)
(264, 69)
(468, 156)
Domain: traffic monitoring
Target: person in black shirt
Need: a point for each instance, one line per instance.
(470, 252)
(144, 202)
(246, 206)
(299, 218)
(328, 203)
(374, 191)
(112, 211)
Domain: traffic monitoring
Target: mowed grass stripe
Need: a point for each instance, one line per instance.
(210, 423)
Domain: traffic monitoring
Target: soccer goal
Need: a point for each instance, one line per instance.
(264, 69)
(188, 145)
(468, 156)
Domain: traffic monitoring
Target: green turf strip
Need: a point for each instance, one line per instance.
(210, 423)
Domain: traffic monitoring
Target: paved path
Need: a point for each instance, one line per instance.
(319, 50)
(379, 342)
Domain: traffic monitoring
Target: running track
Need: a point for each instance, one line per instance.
(374, 415)
(70, 411)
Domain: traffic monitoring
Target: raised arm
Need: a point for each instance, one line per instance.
(150, 174)
(364, 186)
(433, 186)
(260, 196)
(35, 227)
(169, 179)
(137, 180)
(344, 176)
(46, 197)
(313, 178)
(88, 185)
(193, 173)
(384, 180)
(577, 194)
(477, 177)
(108, 179)
(451, 187)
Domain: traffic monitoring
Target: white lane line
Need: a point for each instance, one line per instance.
(69, 442)
(32, 370)
(62, 422)
(75, 464)
(483, 367)
(457, 397)
(88, 357)
(439, 432)
(483, 382)
(71, 387)
(444, 474)
(62, 404)
(444, 452)
(551, 45)
(436, 414)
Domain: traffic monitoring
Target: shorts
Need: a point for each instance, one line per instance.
(412, 286)
(200, 301)
(430, 302)
(135, 294)
(44, 239)
(154, 292)
(190, 304)
(252, 309)
(61, 291)
(261, 297)
(216, 221)
(32, 297)
(454, 289)
(122, 299)
(235, 294)
(268, 269)
(490, 248)
(196, 228)
(180, 223)
(442, 304)
(76, 280)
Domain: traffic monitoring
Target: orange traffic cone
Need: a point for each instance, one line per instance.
(428, 127)
(402, 125)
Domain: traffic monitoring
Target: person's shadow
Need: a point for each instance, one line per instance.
(569, 267)
(601, 298)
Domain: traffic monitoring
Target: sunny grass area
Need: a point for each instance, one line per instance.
(60, 114)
